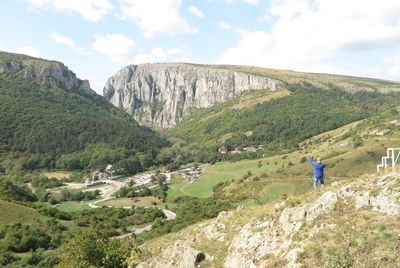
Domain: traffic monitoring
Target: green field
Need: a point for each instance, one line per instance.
(127, 202)
(220, 172)
(72, 206)
(14, 213)
(287, 174)
(57, 174)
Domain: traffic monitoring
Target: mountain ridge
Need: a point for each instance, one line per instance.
(50, 73)
(164, 94)
(46, 109)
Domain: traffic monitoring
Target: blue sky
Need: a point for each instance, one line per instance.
(95, 38)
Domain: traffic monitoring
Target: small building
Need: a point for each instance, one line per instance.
(223, 149)
(108, 168)
(97, 175)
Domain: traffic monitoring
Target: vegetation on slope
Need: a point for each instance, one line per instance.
(284, 122)
(36, 118)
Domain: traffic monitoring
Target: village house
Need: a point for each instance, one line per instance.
(223, 149)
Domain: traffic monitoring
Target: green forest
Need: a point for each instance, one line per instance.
(284, 122)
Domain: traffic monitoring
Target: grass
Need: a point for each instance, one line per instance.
(127, 202)
(13, 213)
(343, 162)
(362, 238)
(57, 174)
(213, 174)
(276, 190)
(72, 206)
(226, 171)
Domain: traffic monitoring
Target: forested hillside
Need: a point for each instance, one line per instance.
(46, 112)
(37, 118)
(281, 123)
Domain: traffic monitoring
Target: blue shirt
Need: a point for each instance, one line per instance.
(318, 168)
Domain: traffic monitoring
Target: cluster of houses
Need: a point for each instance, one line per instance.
(141, 179)
(224, 150)
(190, 174)
(97, 176)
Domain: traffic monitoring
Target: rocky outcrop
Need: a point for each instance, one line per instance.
(259, 238)
(50, 73)
(162, 94)
(180, 255)
(279, 234)
(215, 230)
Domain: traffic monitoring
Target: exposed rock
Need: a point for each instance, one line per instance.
(280, 237)
(162, 94)
(363, 200)
(387, 201)
(255, 240)
(180, 255)
(292, 219)
(322, 205)
(348, 191)
(50, 73)
(215, 230)
(386, 204)
(258, 238)
(9, 67)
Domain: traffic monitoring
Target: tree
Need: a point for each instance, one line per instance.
(96, 250)
(130, 165)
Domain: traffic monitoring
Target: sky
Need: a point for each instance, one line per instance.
(96, 38)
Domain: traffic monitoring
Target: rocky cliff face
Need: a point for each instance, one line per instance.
(51, 73)
(162, 94)
(313, 230)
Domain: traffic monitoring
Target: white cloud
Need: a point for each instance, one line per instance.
(197, 12)
(117, 47)
(156, 16)
(393, 71)
(91, 10)
(390, 69)
(252, 2)
(308, 33)
(27, 51)
(61, 39)
(38, 3)
(66, 41)
(158, 54)
(224, 25)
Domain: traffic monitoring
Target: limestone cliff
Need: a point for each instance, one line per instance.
(162, 94)
(51, 73)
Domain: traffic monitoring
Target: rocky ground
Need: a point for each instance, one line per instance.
(348, 223)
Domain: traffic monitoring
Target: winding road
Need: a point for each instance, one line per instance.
(112, 186)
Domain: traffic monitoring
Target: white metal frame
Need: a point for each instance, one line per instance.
(392, 154)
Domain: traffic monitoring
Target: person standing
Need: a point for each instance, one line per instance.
(318, 171)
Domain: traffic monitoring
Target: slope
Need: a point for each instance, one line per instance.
(281, 122)
(349, 224)
(44, 108)
(350, 151)
(12, 213)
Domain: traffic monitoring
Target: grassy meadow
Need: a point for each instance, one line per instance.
(57, 174)
(145, 201)
(291, 173)
(12, 213)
